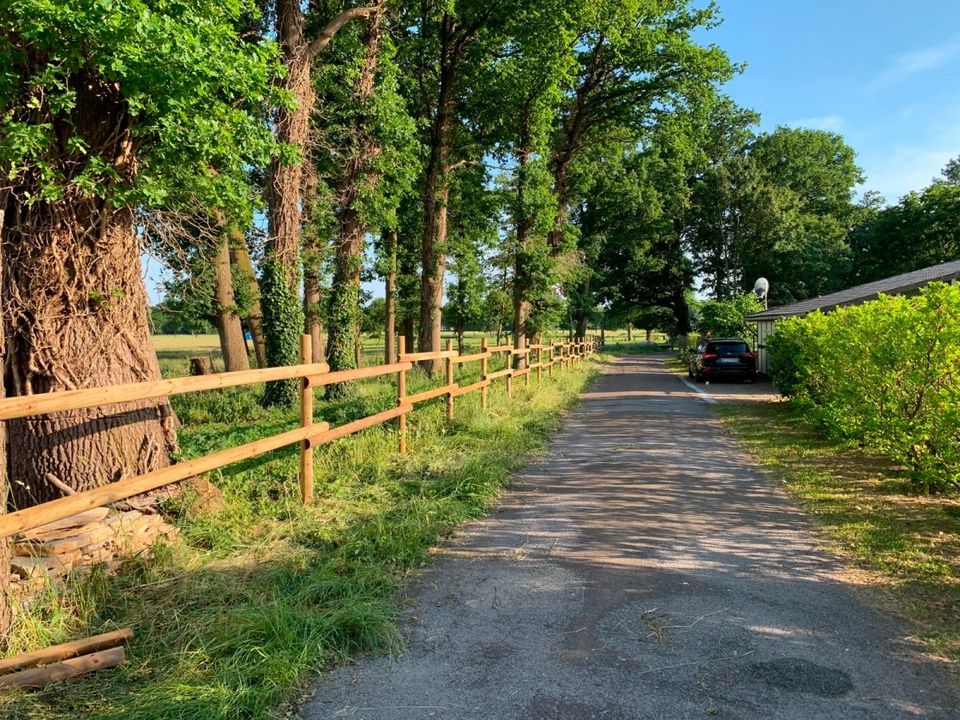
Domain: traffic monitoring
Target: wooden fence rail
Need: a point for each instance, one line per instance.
(309, 435)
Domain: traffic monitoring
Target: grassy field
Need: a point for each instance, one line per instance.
(905, 546)
(254, 600)
(175, 351)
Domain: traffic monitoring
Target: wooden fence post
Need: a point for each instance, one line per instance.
(509, 363)
(401, 395)
(550, 359)
(540, 361)
(306, 420)
(449, 381)
(483, 374)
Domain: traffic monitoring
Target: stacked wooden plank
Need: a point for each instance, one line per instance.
(61, 662)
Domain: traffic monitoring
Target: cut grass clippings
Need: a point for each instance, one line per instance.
(253, 601)
(905, 543)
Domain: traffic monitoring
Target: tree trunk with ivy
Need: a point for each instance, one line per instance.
(280, 281)
(436, 189)
(523, 223)
(280, 287)
(344, 319)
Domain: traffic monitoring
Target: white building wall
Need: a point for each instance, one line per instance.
(765, 328)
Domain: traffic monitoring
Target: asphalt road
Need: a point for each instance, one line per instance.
(643, 569)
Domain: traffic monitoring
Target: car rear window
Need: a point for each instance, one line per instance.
(727, 348)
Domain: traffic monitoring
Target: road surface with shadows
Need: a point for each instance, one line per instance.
(644, 568)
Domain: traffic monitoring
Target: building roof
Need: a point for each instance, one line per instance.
(897, 285)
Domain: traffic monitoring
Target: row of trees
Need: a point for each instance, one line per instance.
(273, 153)
(495, 162)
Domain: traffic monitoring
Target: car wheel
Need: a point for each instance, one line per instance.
(698, 377)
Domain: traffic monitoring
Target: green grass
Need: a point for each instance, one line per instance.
(904, 544)
(253, 601)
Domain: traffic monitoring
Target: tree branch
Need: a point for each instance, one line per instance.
(319, 43)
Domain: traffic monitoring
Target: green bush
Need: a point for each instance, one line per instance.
(882, 374)
(724, 318)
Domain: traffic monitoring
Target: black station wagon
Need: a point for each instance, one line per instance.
(718, 358)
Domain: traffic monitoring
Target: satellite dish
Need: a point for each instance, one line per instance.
(761, 288)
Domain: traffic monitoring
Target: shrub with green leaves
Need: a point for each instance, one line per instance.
(724, 318)
(882, 374)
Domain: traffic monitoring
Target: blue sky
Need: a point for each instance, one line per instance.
(885, 74)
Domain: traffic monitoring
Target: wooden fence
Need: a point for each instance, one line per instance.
(309, 435)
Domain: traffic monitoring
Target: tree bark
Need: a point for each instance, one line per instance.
(523, 223)
(232, 344)
(76, 313)
(436, 189)
(240, 257)
(283, 311)
(284, 320)
(344, 320)
(6, 612)
(390, 298)
(312, 311)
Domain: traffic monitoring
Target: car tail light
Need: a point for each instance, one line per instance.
(708, 356)
(747, 354)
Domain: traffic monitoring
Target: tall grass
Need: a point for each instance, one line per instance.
(253, 601)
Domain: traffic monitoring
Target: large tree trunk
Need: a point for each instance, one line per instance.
(280, 283)
(390, 298)
(232, 344)
(240, 257)
(6, 612)
(344, 320)
(76, 314)
(283, 311)
(436, 188)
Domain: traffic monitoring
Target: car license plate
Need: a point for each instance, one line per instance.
(728, 361)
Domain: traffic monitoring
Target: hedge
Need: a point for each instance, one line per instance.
(882, 374)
